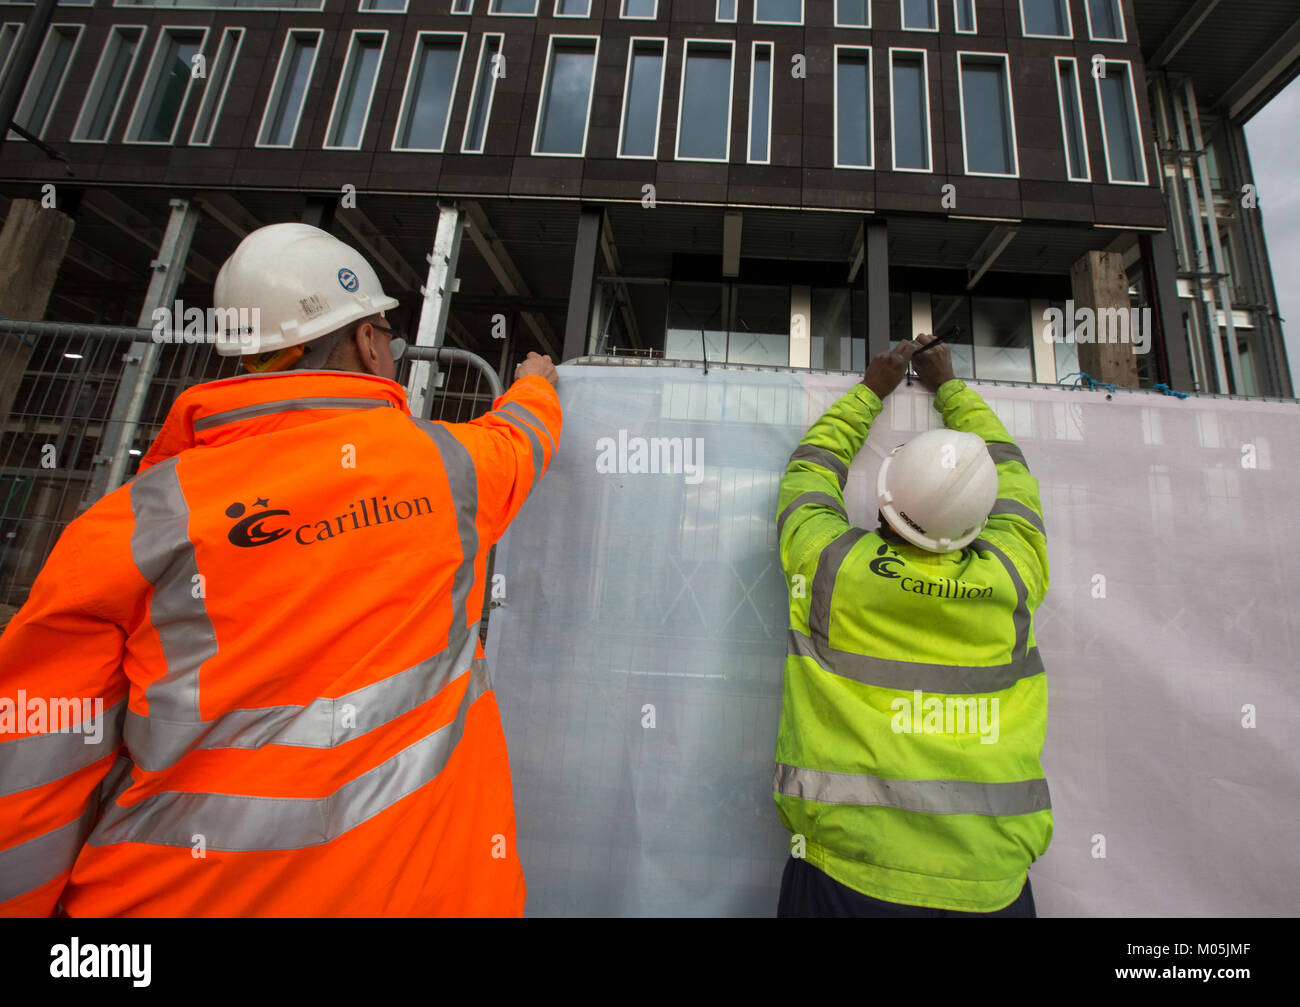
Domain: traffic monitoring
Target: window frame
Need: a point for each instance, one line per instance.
(555, 11)
(591, 92)
(929, 126)
(835, 16)
(871, 108)
(974, 17)
(18, 27)
(225, 85)
(1083, 123)
(353, 46)
(659, 103)
(1069, 21)
(467, 12)
(97, 81)
(902, 17)
(78, 29)
(717, 13)
(473, 94)
(1005, 59)
(150, 81)
(407, 94)
(363, 9)
(497, 13)
(1118, 7)
(624, 16)
(771, 89)
(708, 43)
(277, 86)
(803, 14)
(1140, 145)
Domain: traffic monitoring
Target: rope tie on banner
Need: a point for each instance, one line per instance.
(1164, 389)
(1085, 380)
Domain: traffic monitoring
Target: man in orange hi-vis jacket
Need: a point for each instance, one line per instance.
(249, 682)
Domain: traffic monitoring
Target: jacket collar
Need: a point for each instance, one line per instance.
(220, 412)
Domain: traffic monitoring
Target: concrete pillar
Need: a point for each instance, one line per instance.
(1100, 283)
(875, 273)
(578, 321)
(32, 245)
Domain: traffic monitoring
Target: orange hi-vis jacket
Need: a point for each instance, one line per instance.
(249, 682)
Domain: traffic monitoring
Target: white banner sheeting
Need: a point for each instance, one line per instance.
(637, 653)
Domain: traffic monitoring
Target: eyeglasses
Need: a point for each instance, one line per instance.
(396, 345)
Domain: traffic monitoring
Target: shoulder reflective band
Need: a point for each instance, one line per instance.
(808, 498)
(39, 759)
(1003, 505)
(287, 406)
(1004, 452)
(933, 797)
(824, 458)
(823, 585)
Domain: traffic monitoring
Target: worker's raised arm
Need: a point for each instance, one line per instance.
(62, 698)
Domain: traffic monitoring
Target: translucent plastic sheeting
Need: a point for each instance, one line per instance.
(637, 653)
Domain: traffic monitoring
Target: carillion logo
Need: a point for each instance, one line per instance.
(249, 530)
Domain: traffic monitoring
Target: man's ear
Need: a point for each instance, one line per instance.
(367, 354)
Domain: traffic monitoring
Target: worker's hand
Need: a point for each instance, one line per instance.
(537, 364)
(933, 367)
(886, 369)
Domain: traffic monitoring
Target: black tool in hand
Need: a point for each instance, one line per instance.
(953, 334)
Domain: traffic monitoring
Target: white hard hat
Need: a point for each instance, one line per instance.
(937, 489)
(303, 282)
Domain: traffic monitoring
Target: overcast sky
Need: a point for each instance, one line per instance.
(1274, 136)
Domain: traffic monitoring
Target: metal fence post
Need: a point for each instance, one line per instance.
(436, 292)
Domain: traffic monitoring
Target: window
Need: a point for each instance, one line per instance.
(1125, 158)
(430, 89)
(854, 115)
(108, 85)
(643, 9)
(462, 6)
(1076, 140)
(46, 81)
(1106, 21)
(778, 11)
(704, 115)
(946, 312)
(852, 13)
(964, 15)
(385, 6)
(566, 97)
(214, 96)
(760, 104)
(728, 323)
(920, 15)
(8, 36)
(572, 8)
(517, 8)
(284, 105)
(223, 4)
(1003, 334)
(726, 10)
(356, 88)
(909, 109)
(162, 99)
(987, 116)
(1045, 19)
(480, 101)
(642, 96)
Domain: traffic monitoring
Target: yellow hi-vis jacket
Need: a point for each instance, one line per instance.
(915, 703)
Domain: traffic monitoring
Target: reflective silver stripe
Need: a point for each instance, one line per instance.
(808, 498)
(164, 554)
(238, 823)
(27, 866)
(933, 797)
(824, 458)
(43, 758)
(906, 676)
(526, 414)
(1003, 505)
(287, 406)
(536, 445)
(463, 482)
(323, 723)
(1021, 616)
(1006, 452)
(823, 585)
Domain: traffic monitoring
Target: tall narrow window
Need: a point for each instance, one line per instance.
(108, 85)
(1076, 140)
(1125, 161)
(909, 103)
(566, 97)
(572, 8)
(214, 95)
(704, 115)
(46, 81)
(760, 105)
(522, 8)
(1045, 18)
(987, 118)
(480, 101)
(778, 11)
(430, 89)
(284, 106)
(964, 13)
(920, 15)
(643, 9)
(8, 36)
(642, 96)
(727, 10)
(852, 13)
(162, 99)
(854, 114)
(356, 87)
(1106, 20)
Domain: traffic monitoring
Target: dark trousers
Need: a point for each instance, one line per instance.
(806, 891)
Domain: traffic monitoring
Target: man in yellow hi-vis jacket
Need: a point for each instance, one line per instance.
(915, 704)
